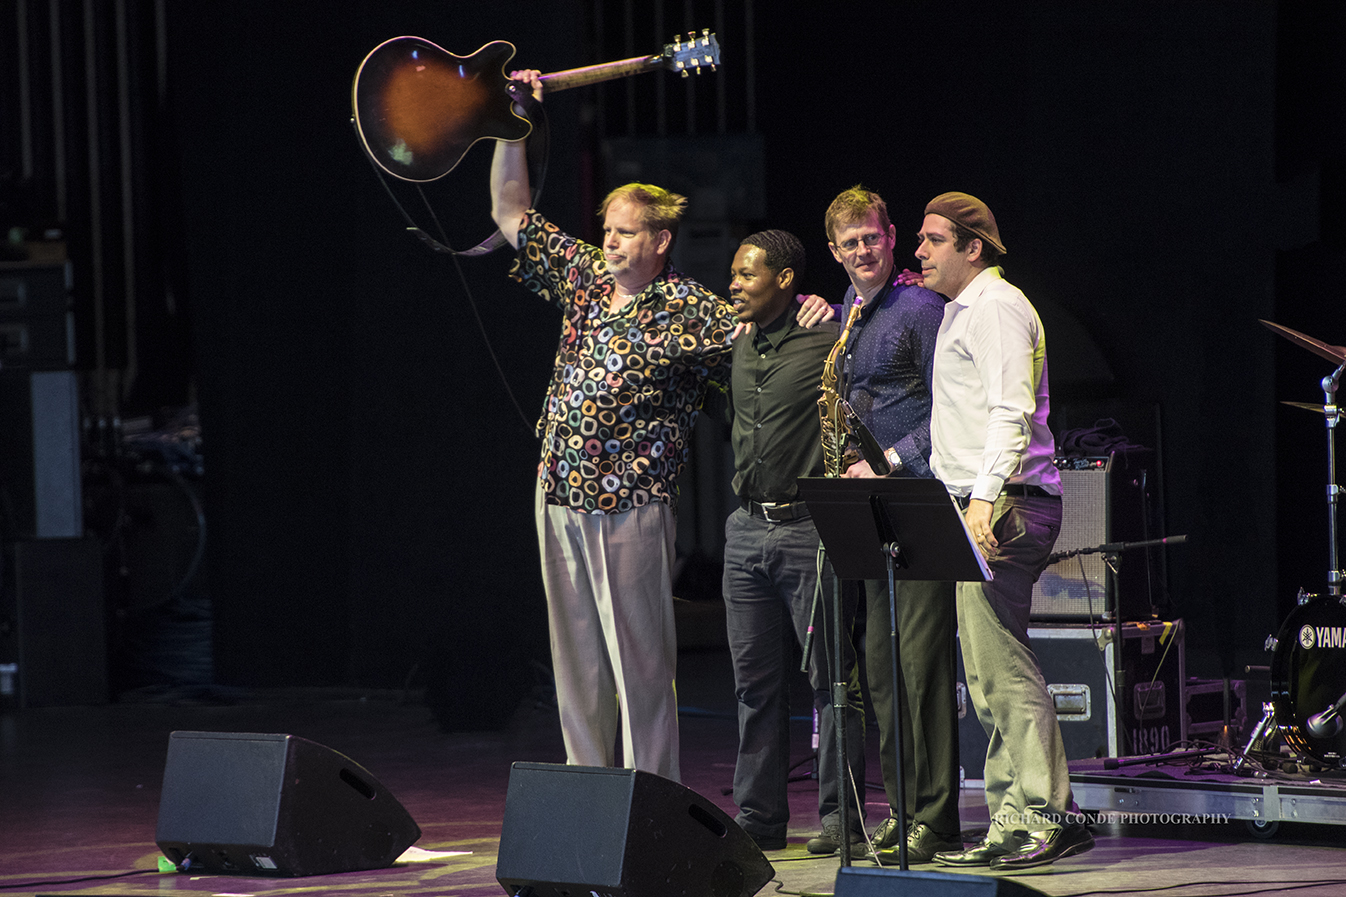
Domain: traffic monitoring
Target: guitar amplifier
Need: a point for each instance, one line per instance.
(1104, 500)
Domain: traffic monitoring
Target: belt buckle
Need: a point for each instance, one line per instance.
(769, 509)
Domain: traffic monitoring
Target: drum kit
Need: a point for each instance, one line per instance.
(1308, 666)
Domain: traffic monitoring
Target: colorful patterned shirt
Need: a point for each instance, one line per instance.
(627, 386)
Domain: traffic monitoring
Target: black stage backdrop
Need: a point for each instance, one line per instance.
(370, 482)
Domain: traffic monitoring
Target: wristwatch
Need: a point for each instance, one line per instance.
(893, 458)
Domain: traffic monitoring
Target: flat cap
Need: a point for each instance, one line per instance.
(970, 212)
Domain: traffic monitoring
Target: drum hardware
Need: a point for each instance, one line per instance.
(1331, 414)
(1308, 666)
(1261, 731)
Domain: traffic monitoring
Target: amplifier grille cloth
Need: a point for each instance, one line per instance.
(1066, 588)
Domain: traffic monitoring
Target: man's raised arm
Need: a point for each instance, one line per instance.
(510, 196)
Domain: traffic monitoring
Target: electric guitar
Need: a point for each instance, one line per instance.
(418, 108)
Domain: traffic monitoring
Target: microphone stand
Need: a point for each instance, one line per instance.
(1328, 722)
(1110, 550)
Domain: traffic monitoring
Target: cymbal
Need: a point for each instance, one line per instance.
(1307, 406)
(1331, 353)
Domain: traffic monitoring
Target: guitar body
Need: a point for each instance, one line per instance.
(419, 108)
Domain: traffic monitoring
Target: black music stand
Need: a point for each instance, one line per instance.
(903, 528)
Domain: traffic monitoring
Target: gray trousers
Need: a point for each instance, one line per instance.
(1027, 780)
(614, 644)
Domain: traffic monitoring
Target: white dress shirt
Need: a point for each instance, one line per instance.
(988, 423)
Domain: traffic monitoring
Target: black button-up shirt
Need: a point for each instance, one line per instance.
(773, 407)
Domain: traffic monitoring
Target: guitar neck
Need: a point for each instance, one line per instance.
(607, 71)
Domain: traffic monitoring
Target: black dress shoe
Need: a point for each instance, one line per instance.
(923, 843)
(886, 834)
(769, 842)
(982, 855)
(1042, 848)
(828, 841)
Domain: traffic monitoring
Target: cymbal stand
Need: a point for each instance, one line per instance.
(1331, 414)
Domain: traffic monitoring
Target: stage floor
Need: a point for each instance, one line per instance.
(79, 801)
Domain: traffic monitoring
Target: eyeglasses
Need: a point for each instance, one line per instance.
(870, 240)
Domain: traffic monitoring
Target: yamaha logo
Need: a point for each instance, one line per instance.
(1322, 636)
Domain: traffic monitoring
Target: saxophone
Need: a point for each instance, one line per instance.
(830, 411)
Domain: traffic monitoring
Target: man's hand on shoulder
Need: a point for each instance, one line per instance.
(909, 278)
(814, 310)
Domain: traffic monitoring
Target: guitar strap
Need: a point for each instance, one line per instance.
(538, 148)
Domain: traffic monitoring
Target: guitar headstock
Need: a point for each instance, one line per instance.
(693, 55)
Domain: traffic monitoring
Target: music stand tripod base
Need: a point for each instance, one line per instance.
(901, 528)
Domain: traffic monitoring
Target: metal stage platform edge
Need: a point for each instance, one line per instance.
(1178, 793)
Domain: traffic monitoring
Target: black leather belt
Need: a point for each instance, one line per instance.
(1016, 489)
(775, 512)
(1026, 489)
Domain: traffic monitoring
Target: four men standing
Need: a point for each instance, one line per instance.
(957, 391)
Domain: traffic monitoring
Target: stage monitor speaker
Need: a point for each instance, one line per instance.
(1104, 500)
(862, 881)
(574, 830)
(250, 804)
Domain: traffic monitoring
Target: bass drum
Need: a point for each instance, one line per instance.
(1308, 675)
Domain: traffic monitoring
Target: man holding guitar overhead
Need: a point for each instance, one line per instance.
(639, 344)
